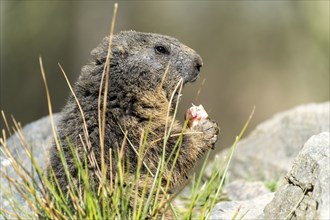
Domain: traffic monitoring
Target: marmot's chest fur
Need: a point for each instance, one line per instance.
(139, 95)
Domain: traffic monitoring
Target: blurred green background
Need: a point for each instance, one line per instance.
(271, 54)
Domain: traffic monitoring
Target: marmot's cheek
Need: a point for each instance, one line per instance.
(195, 114)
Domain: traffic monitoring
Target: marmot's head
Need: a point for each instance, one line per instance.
(140, 60)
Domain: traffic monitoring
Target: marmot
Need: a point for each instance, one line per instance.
(137, 97)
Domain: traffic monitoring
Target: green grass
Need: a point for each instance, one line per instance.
(272, 185)
(111, 200)
(123, 196)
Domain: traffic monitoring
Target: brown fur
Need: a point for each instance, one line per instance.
(136, 95)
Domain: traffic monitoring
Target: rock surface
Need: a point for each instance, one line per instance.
(268, 152)
(247, 198)
(248, 209)
(240, 190)
(38, 135)
(305, 193)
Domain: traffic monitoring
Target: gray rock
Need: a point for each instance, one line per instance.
(248, 209)
(305, 193)
(239, 190)
(268, 152)
(38, 136)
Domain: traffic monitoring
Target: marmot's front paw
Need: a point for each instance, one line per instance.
(210, 131)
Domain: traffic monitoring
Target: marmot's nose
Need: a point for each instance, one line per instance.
(198, 62)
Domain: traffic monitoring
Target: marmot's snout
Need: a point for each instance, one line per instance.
(197, 64)
(192, 64)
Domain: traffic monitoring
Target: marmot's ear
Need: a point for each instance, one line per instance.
(119, 51)
(142, 38)
(99, 54)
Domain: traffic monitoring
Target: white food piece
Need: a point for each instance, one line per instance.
(195, 114)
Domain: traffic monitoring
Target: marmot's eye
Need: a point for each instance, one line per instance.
(161, 49)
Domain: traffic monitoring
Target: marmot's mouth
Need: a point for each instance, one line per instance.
(191, 79)
(195, 78)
